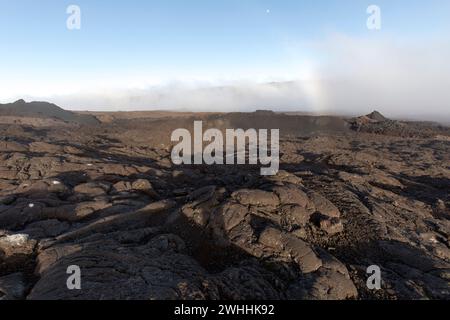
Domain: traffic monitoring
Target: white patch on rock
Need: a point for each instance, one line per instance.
(17, 240)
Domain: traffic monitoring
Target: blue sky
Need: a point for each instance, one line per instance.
(205, 34)
(139, 44)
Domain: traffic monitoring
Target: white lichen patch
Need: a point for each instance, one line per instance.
(16, 240)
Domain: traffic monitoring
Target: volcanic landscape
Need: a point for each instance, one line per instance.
(99, 190)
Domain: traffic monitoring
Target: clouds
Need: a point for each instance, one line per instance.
(341, 74)
(398, 77)
(241, 96)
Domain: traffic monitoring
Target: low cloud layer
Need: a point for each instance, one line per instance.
(403, 79)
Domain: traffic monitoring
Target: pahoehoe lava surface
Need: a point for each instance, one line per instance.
(105, 196)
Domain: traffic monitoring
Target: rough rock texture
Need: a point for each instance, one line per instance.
(12, 287)
(107, 199)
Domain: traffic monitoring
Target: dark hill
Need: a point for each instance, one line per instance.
(375, 115)
(38, 109)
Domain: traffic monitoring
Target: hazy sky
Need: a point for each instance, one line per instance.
(229, 55)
